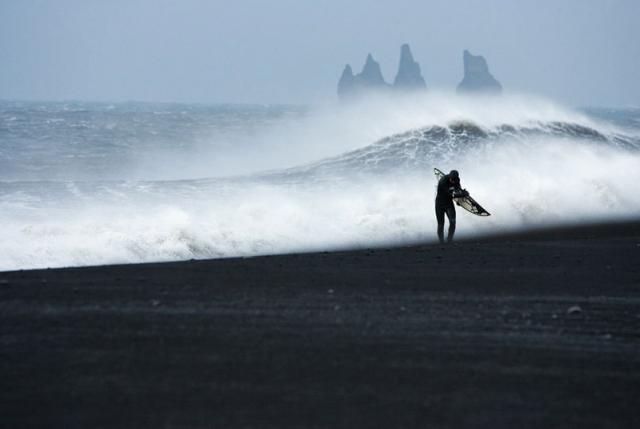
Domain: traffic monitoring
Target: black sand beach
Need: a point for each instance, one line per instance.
(536, 330)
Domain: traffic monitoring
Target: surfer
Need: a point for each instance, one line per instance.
(448, 189)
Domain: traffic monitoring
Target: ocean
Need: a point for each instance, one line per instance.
(103, 183)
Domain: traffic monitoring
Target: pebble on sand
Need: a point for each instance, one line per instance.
(575, 309)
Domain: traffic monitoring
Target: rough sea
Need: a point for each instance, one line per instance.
(102, 183)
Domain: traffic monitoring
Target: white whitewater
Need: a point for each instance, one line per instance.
(363, 179)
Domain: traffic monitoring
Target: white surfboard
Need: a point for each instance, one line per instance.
(467, 203)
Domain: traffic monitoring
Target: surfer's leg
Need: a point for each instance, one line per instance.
(451, 214)
(440, 219)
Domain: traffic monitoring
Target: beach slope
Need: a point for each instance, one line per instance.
(538, 329)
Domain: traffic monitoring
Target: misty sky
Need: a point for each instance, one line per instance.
(292, 51)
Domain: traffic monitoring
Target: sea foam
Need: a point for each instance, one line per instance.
(336, 178)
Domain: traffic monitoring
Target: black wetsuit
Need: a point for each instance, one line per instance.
(444, 205)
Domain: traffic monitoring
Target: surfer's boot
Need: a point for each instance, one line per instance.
(452, 231)
(441, 233)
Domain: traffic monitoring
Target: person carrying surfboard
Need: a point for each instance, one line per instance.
(448, 189)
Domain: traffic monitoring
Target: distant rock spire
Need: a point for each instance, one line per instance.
(477, 78)
(346, 83)
(369, 79)
(371, 74)
(409, 76)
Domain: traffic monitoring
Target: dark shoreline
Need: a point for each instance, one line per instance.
(537, 329)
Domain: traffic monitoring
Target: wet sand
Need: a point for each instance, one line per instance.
(534, 330)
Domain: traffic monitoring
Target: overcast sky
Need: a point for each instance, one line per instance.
(581, 52)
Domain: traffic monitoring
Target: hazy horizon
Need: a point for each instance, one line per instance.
(581, 53)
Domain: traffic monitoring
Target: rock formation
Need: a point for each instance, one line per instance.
(371, 75)
(477, 78)
(346, 85)
(409, 76)
(369, 79)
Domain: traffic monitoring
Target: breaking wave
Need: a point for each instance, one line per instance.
(423, 147)
(529, 163)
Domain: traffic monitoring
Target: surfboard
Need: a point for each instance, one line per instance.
(467, 203)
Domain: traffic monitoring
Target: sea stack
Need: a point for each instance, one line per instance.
(371, 75)
(477, 79)
(369, 79)
(409, 77)
(347, 82)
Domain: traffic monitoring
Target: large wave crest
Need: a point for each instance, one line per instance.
(529, 162)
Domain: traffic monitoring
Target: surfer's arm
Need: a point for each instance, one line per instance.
(457, 192)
